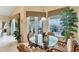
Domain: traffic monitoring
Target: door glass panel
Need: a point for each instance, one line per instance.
(14, 26)
(31, 33)
(36, 28)
(54, 27)
(40, 31)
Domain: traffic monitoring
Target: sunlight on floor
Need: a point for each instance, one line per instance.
(11, 47)
(8, 44)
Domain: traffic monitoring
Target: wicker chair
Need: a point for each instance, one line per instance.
(74, 46)
(23, 48)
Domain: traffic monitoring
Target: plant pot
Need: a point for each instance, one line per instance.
(19, 41)
(69, 45)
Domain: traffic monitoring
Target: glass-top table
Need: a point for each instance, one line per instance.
(52, 40)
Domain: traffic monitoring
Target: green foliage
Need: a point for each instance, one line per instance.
(54, 28)
(17, 32)
(17, 35)
(69, 22)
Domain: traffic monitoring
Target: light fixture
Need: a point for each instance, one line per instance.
(43, 19)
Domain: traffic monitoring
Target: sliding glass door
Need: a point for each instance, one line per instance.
(36, 30)
(55, 27)
(15, 26)
(41, 25)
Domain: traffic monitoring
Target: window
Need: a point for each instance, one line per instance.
(32, 25)
(54, 25)
(14, 26)
(41, 24)
(36, 28)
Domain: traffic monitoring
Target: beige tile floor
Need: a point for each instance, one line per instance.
(11, 47)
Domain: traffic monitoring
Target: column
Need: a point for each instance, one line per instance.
(46, 26)
(23, 25)
(46, 30)
(8, 27)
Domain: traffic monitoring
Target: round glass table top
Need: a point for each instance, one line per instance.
(52, 40)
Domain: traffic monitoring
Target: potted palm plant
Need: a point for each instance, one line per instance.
(18, 36)
(17, 32)
(69, 22)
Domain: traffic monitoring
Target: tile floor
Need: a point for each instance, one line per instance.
(11, 47)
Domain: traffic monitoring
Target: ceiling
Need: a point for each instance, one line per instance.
(6, 10)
